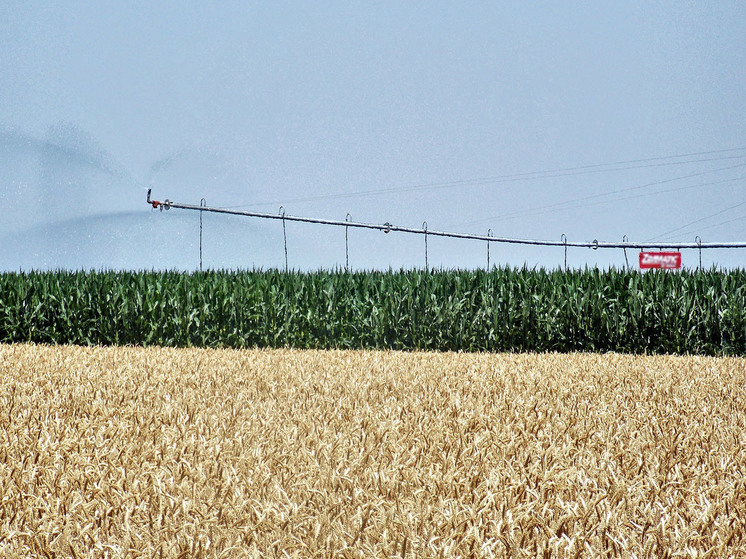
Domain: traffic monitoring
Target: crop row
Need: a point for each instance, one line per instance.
(503, 309)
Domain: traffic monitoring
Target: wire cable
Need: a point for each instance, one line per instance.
(527, 176)
(582, 202)
(668, 233)
(716, 225)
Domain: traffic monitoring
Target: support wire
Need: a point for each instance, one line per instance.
(202, 204)
(284, 235)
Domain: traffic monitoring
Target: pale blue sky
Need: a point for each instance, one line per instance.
(266, 104)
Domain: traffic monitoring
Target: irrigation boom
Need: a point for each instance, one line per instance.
(388, 227)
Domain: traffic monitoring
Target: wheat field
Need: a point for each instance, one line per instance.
(149, 452)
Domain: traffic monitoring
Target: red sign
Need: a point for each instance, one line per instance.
(664, 260)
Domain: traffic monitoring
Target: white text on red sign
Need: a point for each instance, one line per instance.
(664, 260)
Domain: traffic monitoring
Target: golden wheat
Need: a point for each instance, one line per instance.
(131, 452)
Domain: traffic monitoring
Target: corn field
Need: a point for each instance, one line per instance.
(498, 310)
(149, 452)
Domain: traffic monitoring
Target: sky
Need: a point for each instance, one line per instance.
(593, 120)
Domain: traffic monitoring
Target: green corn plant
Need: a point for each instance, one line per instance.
(503, 309)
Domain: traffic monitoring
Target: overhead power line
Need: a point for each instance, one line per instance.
(662, 161)
(740, 218)
(585, 201)
(686, 226)
(683, 227)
